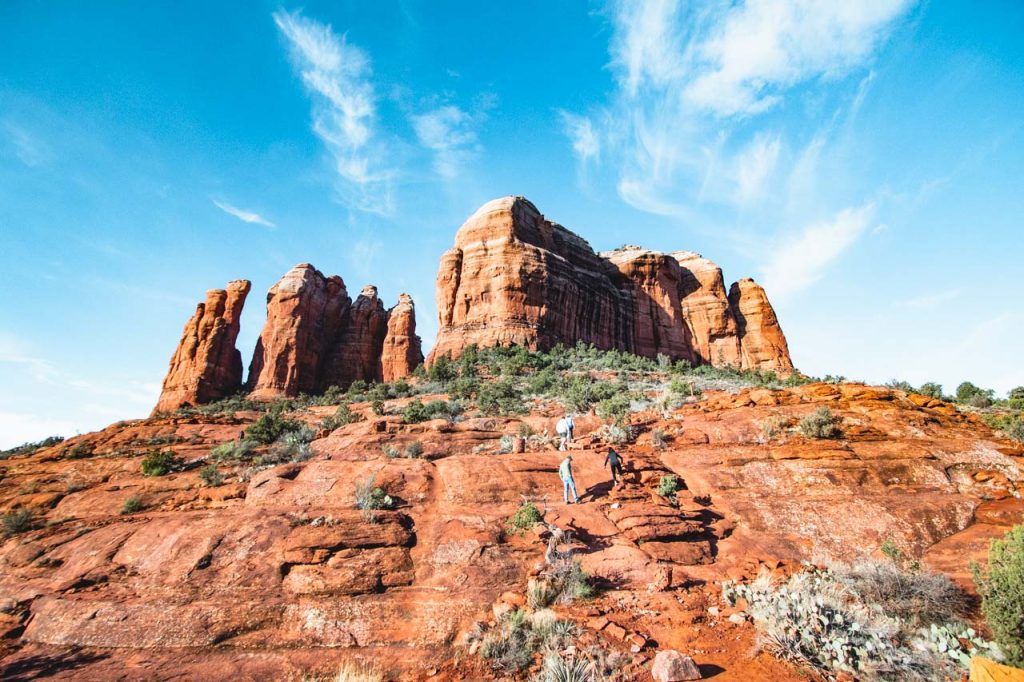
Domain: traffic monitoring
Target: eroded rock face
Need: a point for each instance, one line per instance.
(761, 339)
(514, 277)
(402, 351)
(305, 317)
(206, 366)
(315, 337)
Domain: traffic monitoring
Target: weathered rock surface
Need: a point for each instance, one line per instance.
(672, 666)
(402, 352)
(206, 366)
(514, 277)
(761, 339)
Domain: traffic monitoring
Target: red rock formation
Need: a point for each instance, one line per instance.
(206, 365)
(514, 277)
(305, 315)
(315, 337)
(402, 352)
(761, 339)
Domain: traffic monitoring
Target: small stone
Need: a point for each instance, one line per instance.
(738, 618)
(597, 623)
(672, 666)
(616, 631)
(714, 611)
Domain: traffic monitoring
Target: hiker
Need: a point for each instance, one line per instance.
(564, 429)
(565, 473)
(613, 460)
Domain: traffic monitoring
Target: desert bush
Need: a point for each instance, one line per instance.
(615, 410)
(969, 394)
(415, 412)
(815, 621)
(542, 381)
(1010, 424)
(658, 439)
(557, 669)
(391, 452)
(271, 426)
(524, 430)
(160, 463)
(511, 644)
(131, 505)
(931, 389)
(18, 521)
(668, 486)
(525, 517)
(414, 449)
(211, 475)
(232, 450)
(465, 387)
(771, 427)
(500, 398)
(341, 417)
(506, 444)
(442, 370)
(80, 451)
(821, 423)
(357, 672)
(918, 597)
(30, 448)
(370, 497)
(1001, 586)
(292, 446)
(617, 435)
(377, 407)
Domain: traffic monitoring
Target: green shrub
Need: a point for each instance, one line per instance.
(341, 417)
(668, 486)
(292, 446)
(615, 410)
(511, 644)
(932, 390)
(524, 430)
(464, 387)
(969, 394)
(1001, 587)
(18, 521)
(232, 450)
(80, 451)
(821, 423)
(500, 397)
(377, 407)
(506, 444)
(131, 506)
(525, 517)
(414, 450)
(542, 381)
(658, 440)
(160, 463)
(442, 370)
(918, 597)
(391, 452)
(444, 409)
(211, 475)
(271, 426)
(370, 497)
(415, 412)
(30, 448)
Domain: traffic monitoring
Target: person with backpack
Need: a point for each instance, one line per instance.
(564, 429)
(565, 473)
(614, 461)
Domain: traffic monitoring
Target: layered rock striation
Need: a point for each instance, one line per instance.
(206, 366)
(514, 277)
(315, 337)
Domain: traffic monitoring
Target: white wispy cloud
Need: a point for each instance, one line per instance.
(242, 214)
(799, 260)
(337, 76)
(448, 132)
(754, 165)
(928, 300)
(30, 149)
(580, 130)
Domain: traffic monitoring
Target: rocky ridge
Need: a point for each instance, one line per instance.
(514, 277)
(315, 337)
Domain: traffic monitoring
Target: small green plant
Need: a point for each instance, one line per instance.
(232, 450)
(1001, 586)
(131, 506)
(506, 444)
(525, 517)
(211, 475)
(415, 412)
(821, 423)
(658, 440)
(293, 446)
(524, 430)
(370, 497)
(341, 417)
(414, 450)
(80, 451)
(271, 426)
(500, 398)
(160, 463)
(771, 428)
(18, 521)
(30, 448)
(668, 486)
(377, 407)
(391, 452)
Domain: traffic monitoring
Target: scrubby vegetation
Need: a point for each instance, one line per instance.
(525, 517)
(160, 463)
(30, 448)
(370, 497)
(564, 581)
(512, 642)
(232, 450)
(872, 621)
(271, 426)
(1001, 586)
(822, 423)
(341, 417)
(668, 486)
(292, 446)
(211, 475)
(18, 521)
(131, 505)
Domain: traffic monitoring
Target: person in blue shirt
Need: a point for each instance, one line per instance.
(565, 473)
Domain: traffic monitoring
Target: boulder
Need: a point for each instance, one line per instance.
(402, 352)
(762, 342)
(672, 666)
(206, 366)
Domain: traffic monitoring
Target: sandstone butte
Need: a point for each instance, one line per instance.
(514, 277)
(314, 337)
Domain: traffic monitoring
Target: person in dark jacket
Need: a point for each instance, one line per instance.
(614, 461)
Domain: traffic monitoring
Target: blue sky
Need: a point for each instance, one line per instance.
(861, 160)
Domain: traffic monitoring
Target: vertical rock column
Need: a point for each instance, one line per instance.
(402, 352)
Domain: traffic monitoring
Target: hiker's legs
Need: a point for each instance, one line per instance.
(565, 491)
(561, 442)
(571, 484)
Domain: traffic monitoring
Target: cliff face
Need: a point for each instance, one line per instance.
(515, 277)
(315, 337)
(206, 366)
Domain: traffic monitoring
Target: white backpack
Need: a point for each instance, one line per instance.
(562, 427)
